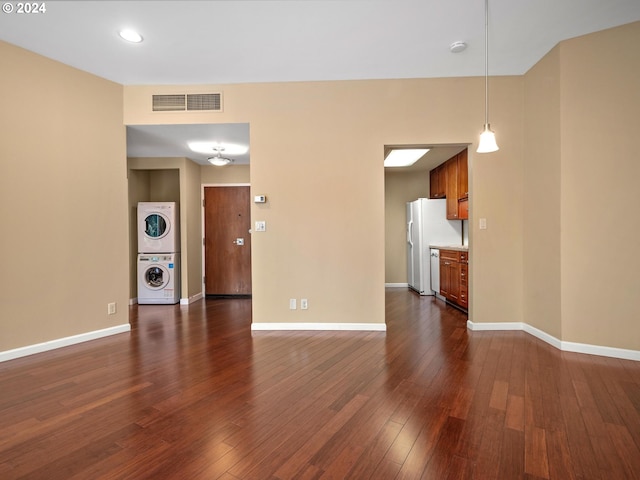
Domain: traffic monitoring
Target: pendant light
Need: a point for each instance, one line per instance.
(487, 137)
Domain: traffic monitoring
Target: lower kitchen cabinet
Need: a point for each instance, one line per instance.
(449, 274)
(463, 299)
(454, 271)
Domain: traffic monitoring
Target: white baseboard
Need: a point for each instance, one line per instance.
(376, 327)
(183, 301)
(62, 342)
(557, 343)
(396, 285)
(191, 299)
(544, 336)
(494, 326)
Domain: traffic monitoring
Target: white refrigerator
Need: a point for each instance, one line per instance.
(427, 225)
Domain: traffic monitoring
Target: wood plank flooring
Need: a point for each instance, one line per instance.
(192, 393)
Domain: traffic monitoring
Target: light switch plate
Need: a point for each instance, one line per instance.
(261, 226)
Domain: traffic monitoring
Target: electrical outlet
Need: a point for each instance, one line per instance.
(292, 304)
(111, 308)
(304, 304)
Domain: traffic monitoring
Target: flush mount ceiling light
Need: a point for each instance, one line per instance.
(404, 157)
(487, 137)
(218, 160)
(130, 35)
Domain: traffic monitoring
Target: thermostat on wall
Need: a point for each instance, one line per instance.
(260, 199)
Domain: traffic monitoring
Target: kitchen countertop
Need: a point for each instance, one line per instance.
(459, 248)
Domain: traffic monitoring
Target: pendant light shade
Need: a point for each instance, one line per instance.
(487, 140)
(219, 161)
(487, 137)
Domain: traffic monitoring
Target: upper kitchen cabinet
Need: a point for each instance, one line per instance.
(463, 175)
(450, 180)
(463, 209)
(452, 188)
(438, 182)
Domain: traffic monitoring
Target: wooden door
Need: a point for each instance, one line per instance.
(227, 220)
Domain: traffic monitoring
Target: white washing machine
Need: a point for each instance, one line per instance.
(158, 278)
(158, 228)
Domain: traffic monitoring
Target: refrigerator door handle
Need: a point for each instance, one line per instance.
(410, 232)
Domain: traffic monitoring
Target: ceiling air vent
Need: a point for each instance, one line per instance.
(188, 102)
(204, 101)
(169, 103)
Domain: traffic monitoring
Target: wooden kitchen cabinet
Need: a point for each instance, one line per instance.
(450, 180)
(437, 182)
(450, 274)
(452, 188)
(454, 272)
(463, 209)
(463, 300)
(463, 175)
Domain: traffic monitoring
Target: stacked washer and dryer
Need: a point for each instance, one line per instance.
(158, 253)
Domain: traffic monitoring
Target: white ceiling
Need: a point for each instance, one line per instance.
(211, 42)
(173, 140)
(218, 42)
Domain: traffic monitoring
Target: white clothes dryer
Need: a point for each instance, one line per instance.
(158, 278)
(158, 227)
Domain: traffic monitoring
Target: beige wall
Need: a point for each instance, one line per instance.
(192, 240)
(63, 197)
(600, 123)
(496, 194)
(399, 188)
(541, 257)
(581, 174)
(317, 151)
(222, 175)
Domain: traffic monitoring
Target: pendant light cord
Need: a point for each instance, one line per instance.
(486, 62)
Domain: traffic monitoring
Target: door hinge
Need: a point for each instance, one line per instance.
(204, 280)
(203, 202)
(203, 242)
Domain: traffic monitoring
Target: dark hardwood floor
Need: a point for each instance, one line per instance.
(192, 393)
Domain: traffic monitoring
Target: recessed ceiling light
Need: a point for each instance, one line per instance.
(130, 35)
(404, 157)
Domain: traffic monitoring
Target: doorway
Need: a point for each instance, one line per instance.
(227, 241)
(403, 185)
